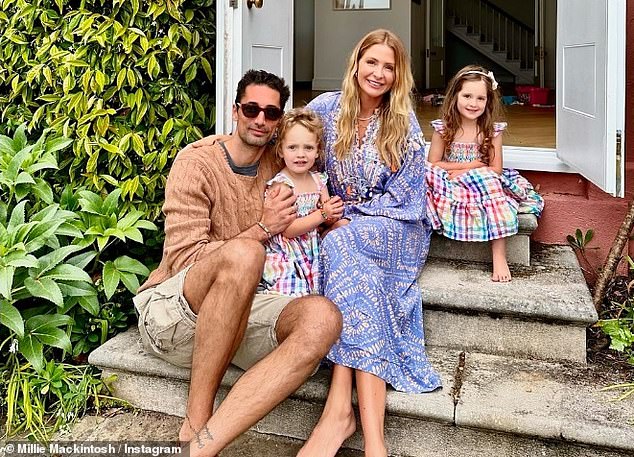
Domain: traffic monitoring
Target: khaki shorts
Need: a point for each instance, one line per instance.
(167, 324)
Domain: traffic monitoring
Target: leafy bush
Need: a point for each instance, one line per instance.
(61, 257)
(130, 82)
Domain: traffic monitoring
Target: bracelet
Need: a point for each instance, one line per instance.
(323, 214)
(266, 229)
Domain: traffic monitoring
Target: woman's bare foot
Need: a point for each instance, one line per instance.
(329, 434)
(501, 272)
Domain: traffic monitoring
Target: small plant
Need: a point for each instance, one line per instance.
(39, 402)
(618, 321)
(579, 242)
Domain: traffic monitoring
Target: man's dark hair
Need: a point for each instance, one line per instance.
(263, 78)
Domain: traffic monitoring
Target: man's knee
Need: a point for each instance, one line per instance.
(243, 256)
(322, 323)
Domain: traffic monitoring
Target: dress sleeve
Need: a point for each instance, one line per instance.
(438, 125)
(498, 128)
(281, 178)
(404, 197)
(322, 180)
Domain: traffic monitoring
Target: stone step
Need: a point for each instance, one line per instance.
(489, 405)
(517, 246)
(542, 313)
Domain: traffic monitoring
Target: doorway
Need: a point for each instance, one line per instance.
(434, 37)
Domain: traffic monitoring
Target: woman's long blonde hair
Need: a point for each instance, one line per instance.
(394, 110)
(451, 115)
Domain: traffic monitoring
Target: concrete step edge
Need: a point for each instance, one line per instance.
(527, 398)
(551, 289)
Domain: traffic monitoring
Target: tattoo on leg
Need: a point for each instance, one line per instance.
(197, 434)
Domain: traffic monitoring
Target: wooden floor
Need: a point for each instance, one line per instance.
(528, 126)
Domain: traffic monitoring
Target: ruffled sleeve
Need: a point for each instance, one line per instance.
(321, 179)
(281, 178)
(438, 125)
(498, 128)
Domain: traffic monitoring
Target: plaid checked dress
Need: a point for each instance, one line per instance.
(479, 205)
(292, 266)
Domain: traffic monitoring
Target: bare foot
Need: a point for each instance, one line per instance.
(501, 272)
(328, 436)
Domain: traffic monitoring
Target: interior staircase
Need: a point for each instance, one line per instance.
(495, 34)
(512, 358)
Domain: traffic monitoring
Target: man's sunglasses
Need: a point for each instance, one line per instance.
(252, 110)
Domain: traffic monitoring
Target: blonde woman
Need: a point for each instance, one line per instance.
(375, 161)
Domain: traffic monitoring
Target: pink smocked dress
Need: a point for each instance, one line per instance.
(292, 265)
(478, 205)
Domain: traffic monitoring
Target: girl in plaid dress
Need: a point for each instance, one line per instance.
(291, 266)
(470, 197)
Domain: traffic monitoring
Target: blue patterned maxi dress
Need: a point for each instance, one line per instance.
(370, 265)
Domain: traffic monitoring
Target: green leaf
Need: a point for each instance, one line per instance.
(129, 265)
(17, 216)
(32, 350)
(129, 219)
(82, 260)
(53, 336)
(90, 304)
(145, 225)
(6, 281)
(43, 190)
(25, 260)
(130, 281)
(90, 202)
(10, 317)
(207, 67)
(45, 288)
(47, 320)
(54, 258)
(68, 272)
(111, 203)
(111, 278)
(77, 289)
(24, 178)
(57, 144)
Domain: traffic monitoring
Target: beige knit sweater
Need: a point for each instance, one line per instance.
(206, 203)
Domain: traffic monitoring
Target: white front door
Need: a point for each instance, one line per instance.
(250, 34)
(591, 90)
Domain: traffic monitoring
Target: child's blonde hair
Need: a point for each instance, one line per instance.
(305, 117)
(491, 114)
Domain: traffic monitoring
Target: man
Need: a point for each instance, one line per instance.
(200, 308)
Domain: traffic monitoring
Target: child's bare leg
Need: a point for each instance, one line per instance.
(501, 270)
(371, 391)
(337, 422)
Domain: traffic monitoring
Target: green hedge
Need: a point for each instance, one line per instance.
(129, 81)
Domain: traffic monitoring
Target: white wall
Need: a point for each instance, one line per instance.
(337, 32)
(303, 38)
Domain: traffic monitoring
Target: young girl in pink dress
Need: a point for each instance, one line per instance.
(470, 196)
(292, 256)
